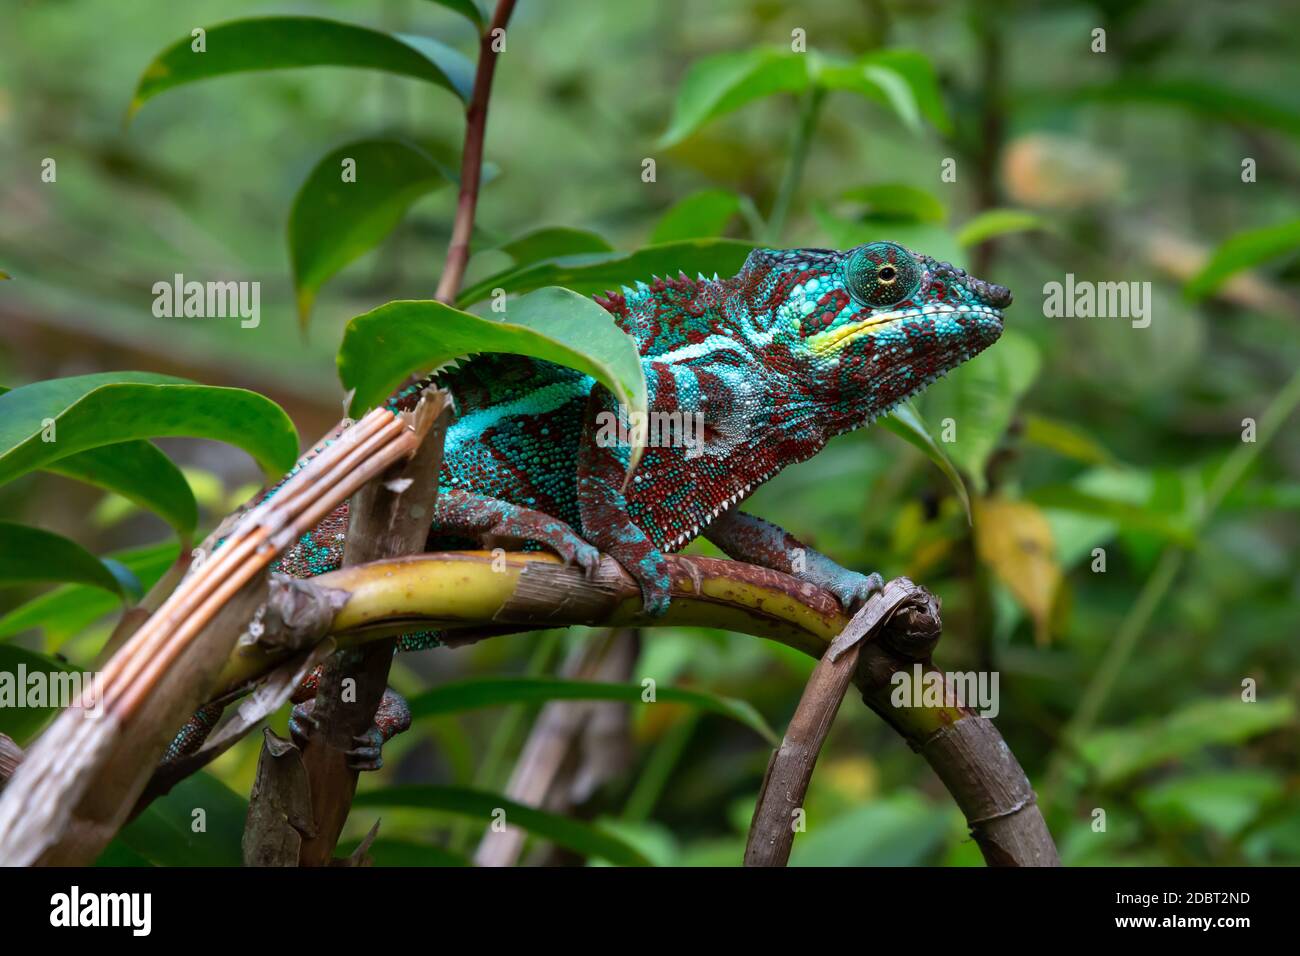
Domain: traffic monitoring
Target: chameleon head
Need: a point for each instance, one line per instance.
(870, 326)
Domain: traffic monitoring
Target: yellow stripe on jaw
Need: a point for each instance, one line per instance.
(836, 339)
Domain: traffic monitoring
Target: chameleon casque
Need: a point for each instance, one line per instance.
(801, 345)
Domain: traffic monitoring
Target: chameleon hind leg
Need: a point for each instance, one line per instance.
(746, 538)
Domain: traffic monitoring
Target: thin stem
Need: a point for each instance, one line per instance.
(471, 162)
(794, 168)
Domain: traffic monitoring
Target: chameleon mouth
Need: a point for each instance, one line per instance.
(829, 342)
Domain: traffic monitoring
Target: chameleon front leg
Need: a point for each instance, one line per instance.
(746, 538)
(603, 509)
(465, 514)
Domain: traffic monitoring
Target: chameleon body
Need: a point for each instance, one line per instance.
(765, 367)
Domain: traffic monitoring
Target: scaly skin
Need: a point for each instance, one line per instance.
(801, 345)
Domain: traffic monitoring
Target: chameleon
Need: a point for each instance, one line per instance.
(766, 367)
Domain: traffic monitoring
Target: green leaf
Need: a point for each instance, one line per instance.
(334, 222)
(903, 829)
(1117, 754)
(888, 201)
(700, 215)
(724, 82)
(138, 472)
(997, 222)
(594, 273)
(469, 9)
(164, 834)
(980, 397)
(715, 85)
(92, 411)
(66, 610)
(552, 242)
(382, 347)
(4, 276)
(902, 79)
(1220, 801)
(496, 691)
(18, 721)
(1129, 516)
(905, 422)
(282, 43)
(1066, 439)
(917, 70)
(1243, 251)
(33, 556)
(583, 838)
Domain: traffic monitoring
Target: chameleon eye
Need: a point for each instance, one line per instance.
(881, 274)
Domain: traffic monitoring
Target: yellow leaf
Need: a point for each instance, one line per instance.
(1015, 540)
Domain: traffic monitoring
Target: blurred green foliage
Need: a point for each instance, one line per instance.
(987, 133)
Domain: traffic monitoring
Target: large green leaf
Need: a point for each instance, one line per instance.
(906, 422)
(382, 347)
(138, 472)
(34, 556)
(715, 85)
(495, 691)
(173, 832)
(583, 838)
(1243, 251)
(1116, 754)
(719, 84)
(980, 397)
(334, 221)
(282, 43)
(92, 411)
(594, 273)
(700, 215)
(21, 719)
(64, 611)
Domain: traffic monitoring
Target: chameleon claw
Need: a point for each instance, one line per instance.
(368, 754)
(302, 724)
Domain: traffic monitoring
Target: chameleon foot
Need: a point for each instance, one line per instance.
(392, 717)
(853, 589)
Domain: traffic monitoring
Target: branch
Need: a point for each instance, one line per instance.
(771, 833)
(472, 596)
(471, 162)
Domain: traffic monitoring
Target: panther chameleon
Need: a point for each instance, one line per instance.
(800, 346)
